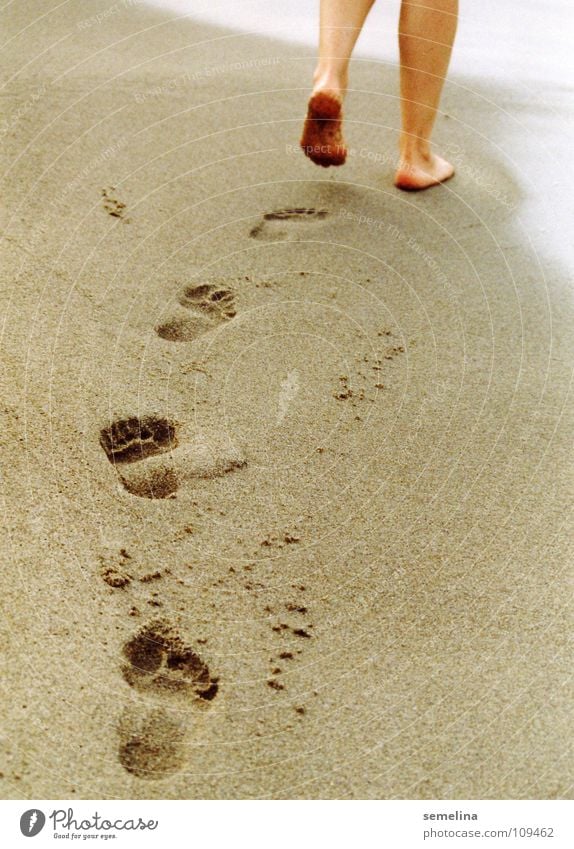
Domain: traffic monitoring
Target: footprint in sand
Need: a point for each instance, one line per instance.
(205, 307)
(158, 663)
(286, 223)
(151, 744)
(114, 207)
(153, 456)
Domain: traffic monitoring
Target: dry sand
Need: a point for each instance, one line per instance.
(357, 581)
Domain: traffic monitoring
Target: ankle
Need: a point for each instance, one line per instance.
(326, 79)
(414, 149)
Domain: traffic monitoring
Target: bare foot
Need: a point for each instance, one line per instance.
(417, 172)
(322, 139)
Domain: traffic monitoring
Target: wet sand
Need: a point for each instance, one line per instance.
(286, 453)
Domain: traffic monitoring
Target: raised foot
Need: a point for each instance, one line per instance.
(322, 139)
(414, 175)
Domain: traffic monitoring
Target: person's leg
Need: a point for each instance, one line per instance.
(426, 35)
(340, 23)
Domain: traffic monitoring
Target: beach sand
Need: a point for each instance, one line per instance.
(286, 453)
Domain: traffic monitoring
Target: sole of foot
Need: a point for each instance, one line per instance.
(322, 140)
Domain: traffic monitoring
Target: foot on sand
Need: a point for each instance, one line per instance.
(271, 225)
(417, 172)
(322, 139)
(207, 306)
